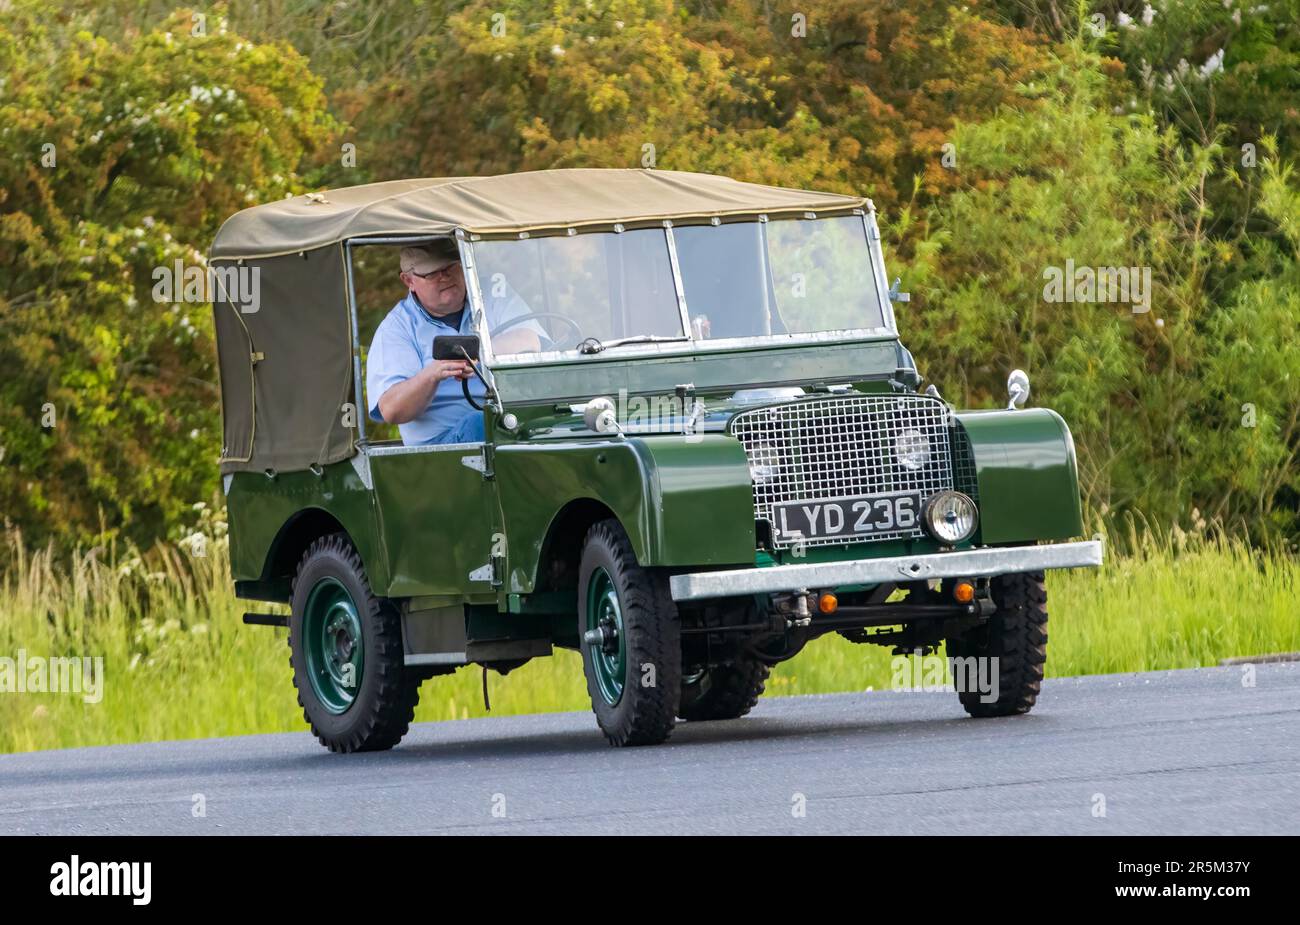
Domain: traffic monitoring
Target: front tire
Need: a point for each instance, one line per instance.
(723, 692)
(1016, 635)
(345, 648)
(631, 640)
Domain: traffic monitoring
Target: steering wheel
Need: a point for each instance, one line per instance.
(564, 344)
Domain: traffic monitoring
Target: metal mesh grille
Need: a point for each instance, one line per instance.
(842, 448)
(963, 463)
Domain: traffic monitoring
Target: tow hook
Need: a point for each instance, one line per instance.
(795, 608)
(802, 613)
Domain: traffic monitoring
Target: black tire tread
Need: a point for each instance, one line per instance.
(733, 691)
(387, 716)
(1016, 635)
(652, 627)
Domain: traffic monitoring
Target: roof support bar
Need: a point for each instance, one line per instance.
(358, 385)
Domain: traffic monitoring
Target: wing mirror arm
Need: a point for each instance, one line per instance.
(895, 295)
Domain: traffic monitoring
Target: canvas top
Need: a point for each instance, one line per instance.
(536, 201)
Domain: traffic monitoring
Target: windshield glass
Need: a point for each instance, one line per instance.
(740, 279)
(602, 286)
(795, 276)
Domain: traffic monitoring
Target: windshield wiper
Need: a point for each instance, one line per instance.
(594, 345)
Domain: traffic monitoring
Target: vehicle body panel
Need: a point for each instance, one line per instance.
(263, 512)
(1028, 476)
(437, 519)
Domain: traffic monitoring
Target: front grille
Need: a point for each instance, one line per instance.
(965, 477)
(841, 448)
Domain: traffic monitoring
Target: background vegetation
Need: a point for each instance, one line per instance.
(179, 663)
(997, 139)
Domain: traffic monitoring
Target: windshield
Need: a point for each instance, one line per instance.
(602, 286)
(590, 291)
(782, 277)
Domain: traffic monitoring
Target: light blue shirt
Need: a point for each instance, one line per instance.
(403, 345)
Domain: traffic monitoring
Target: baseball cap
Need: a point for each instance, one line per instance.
(426, 258)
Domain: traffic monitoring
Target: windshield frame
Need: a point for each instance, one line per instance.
(689, 345)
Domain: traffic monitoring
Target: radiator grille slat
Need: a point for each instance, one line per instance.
(843, 448)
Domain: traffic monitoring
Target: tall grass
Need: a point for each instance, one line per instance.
(179, 663)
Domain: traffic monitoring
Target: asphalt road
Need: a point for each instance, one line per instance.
(1169, 752)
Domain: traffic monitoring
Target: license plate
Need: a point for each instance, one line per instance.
(849, 517)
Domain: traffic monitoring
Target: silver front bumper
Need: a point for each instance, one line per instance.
(970, 563)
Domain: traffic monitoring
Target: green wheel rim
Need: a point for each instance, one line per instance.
(608, 659)
(333, 647)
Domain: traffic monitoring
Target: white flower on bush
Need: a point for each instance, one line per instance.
(195, 541)
(1212, 65)
(1148, 15)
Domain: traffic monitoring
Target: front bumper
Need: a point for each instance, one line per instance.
(969, 563)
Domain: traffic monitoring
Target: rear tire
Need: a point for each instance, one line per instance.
(345, 649)
(1016, 635)
(631, 640)
(723, 692)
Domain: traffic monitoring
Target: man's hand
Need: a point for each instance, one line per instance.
(407, 400)
(449, 369)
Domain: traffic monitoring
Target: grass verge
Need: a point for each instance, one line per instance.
(178, 663)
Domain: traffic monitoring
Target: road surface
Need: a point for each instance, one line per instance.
(1168, 752)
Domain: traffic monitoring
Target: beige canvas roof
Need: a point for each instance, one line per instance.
(534, 201)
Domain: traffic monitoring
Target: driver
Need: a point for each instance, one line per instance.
(406, 385)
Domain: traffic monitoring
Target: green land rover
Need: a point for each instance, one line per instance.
(718, 451)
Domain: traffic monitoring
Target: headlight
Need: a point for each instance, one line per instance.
(912, 448)
(950, 517)
(764, 462)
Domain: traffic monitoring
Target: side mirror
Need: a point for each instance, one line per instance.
(461, 347)
(1017, 389)
(449, 347)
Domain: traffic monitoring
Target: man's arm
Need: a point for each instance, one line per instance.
(522, 337)
(405, 401)
(520, 340)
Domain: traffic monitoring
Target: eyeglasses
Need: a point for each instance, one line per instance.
(445, 272)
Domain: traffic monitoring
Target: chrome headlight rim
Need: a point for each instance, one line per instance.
(932, 508)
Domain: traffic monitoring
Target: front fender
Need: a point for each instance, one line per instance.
(703, 500)
(684, 501)
(1027, 475)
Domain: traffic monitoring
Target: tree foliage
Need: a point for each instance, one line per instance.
(999, 139)
(120, 158)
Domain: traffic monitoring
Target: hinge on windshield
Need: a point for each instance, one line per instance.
(481, 462)
(491, 571)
